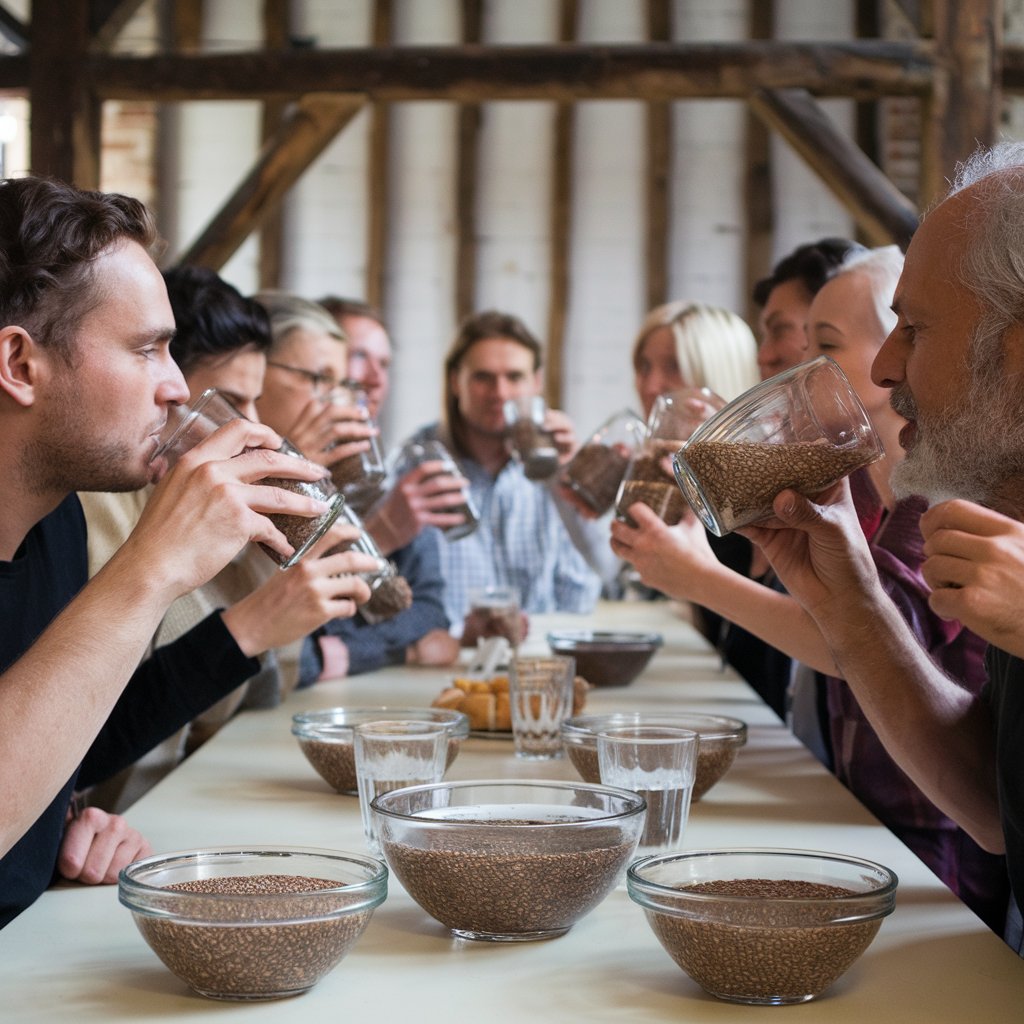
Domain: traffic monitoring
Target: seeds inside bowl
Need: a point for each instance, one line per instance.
(335, 760)
(506, 886)
(754, 951)
(265, 957)
(714, 758)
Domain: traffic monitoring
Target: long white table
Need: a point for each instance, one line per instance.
(76, 955)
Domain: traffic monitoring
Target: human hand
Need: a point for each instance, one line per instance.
(438, 647)
(96, 845)
(562, 432)
(210, 505)
(293, 603)
(426, 496)
(974, 563)
(327, 432)
(676, 560)
(818, 550)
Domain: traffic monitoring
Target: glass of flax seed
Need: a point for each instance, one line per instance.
(803, 430)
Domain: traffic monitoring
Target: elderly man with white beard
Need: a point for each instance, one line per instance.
(955, 364)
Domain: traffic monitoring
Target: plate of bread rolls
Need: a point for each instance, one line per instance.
(485, 702)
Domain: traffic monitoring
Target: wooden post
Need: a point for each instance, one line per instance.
(658, 169)
(963, 108)
(561, 224)
(757, 193)
(378, 174)
(65, 120)
(467, 159)
(276, 31)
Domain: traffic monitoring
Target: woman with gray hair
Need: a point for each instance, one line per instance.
(306, 366)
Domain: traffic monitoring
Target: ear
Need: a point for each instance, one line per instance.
(20, 365)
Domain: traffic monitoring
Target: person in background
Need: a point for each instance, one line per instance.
(785, 297)
(693, 345)
(86, 380)
(221, 341)
(419, 634)
(306, 366)
(953, 365)
(848, 320)
(523, 539)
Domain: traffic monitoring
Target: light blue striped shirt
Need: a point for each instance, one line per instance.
(521, 542)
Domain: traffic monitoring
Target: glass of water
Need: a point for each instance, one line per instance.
(659, 763)
(394, 754)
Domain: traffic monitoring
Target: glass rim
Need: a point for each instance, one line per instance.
(190, 417)
(622, 733)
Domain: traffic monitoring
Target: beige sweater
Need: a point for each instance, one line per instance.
(110, 518)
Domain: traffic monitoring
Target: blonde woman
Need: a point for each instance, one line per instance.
(693, 345)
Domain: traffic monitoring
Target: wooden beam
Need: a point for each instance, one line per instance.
(562, 176)
(653, 71)
(758, 200)
(276, 32)
(378, 187)
(107, 18)
(13, 29)
(658, 170)
(964, 104)
(186, 21)
(309, 127)
(65, 118)
(880, 209)
(467, 159)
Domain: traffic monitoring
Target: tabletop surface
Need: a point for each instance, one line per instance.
(76, 954)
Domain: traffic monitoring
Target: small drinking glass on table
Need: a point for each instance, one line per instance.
(660, 764)
(394, 754)
(494, 611)
(540, 695)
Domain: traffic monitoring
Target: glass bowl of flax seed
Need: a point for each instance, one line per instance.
(252, 923)
(763, 926)
(804, 430)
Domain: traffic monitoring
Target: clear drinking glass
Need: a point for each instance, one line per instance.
(188, 425)
(394, 754)
(660, 764)
(803, 429)
(413, 454)
(648, 478)
(495, 611)
(540, 694)
(360, 476)
(595, 472)
(527, 440)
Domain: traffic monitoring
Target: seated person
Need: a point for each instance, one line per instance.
(527, 538)
(86, 380)
(221, 341)
(419, 634)
(849, 319)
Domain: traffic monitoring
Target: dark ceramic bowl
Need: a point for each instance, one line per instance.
(606, 658)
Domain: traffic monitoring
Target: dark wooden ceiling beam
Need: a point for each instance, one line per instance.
(653, 71)
(12, 28)
(107, 18)
(880, 209)
(304, 133)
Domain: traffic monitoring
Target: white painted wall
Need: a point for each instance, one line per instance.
(326, 215)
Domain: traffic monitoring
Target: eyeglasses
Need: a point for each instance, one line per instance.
(323, 384)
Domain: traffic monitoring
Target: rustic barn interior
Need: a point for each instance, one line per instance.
(574, 161)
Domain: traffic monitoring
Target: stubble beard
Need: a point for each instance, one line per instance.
(975, 451)
(65, 458)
